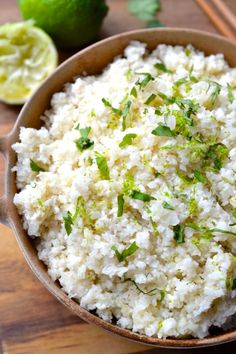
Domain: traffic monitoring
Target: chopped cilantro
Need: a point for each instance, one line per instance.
(162, 67)
(166, 205)
(144, 10)
(68, 222)
(133, 92)
(126, 252)
(154, 23)
(199, 176)
(40, 203)
(69, 219)
(206, 231)
(217, 153)
(234, 284)
(150, 98)
(180, 82)
(35, 167)
(234, 212)
(230, 93)
(163, 130)
(114, 110)
(188, 52)
(178, 233)
(150, 292)
(216, 88)
(166, 99)
(120, 202)
(141, 196)
(102, 165)
(83, 142)
(125, 112)
(147, 78)
(127, 140)
(163, 294)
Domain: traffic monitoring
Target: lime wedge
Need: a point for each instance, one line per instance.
(27, 57)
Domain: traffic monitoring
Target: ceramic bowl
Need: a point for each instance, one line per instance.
(92, 60)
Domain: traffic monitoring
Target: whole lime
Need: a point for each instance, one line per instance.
(71, 23)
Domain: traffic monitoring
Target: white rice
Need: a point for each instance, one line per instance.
(164, 288)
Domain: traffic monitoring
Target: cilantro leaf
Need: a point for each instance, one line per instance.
(35, 167)
(144, 10)
(68, 222)
(154, 23)
(84, 142)
(143, 83)
(230, 94)
(178, 233)
(125, 112)
(141, 196)
(180, 82)
(126, 252)
(127, 140)
(133, 92)
(166, 205)
(162, 67)
(150, 98)
(216, 89)
(108, 104)
(120, 202)
(129, 185)
(102, 166)
(199, 176)
(234, 284)
(217, 153)
(150, 292)
(163, 130)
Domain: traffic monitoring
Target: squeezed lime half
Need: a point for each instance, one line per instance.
(27, 56)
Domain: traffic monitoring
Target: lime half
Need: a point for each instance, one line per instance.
(27, 57)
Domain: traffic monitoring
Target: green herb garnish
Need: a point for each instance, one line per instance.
(163, 130)
(217, 153)
(125, 112)
(150, 292)
(166, 205)
(234, 284)
(120, 202)
(114, 110)
(154, 23)
(144, 10)
(230, 94)
(141, 196)
(180, 82)
(84, 142)
(199, 176)
(127, 140)
(35, 167)
(150, 98)
(147, 78)
(40, 203)
(178, 233)
(134, 92)
(68, 222)
(126, 252)
(215, 92)
(162, 67)
(102, 166)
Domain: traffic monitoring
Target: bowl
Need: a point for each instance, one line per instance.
(92, 60)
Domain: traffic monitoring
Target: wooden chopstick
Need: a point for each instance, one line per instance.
(230, 17)
(219, 23)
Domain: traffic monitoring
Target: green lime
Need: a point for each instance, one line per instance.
(71, 23)
(27, 57)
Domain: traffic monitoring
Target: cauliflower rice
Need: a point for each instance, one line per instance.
(130, 189)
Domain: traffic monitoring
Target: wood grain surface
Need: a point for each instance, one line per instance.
(31, 320)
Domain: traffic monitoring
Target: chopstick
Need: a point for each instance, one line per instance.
(219, 23)
(230, 17)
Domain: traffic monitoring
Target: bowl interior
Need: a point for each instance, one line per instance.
(91, 61)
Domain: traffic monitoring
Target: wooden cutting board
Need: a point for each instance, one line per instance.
(31, 320)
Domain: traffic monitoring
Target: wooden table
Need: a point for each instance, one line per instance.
(31, 320)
